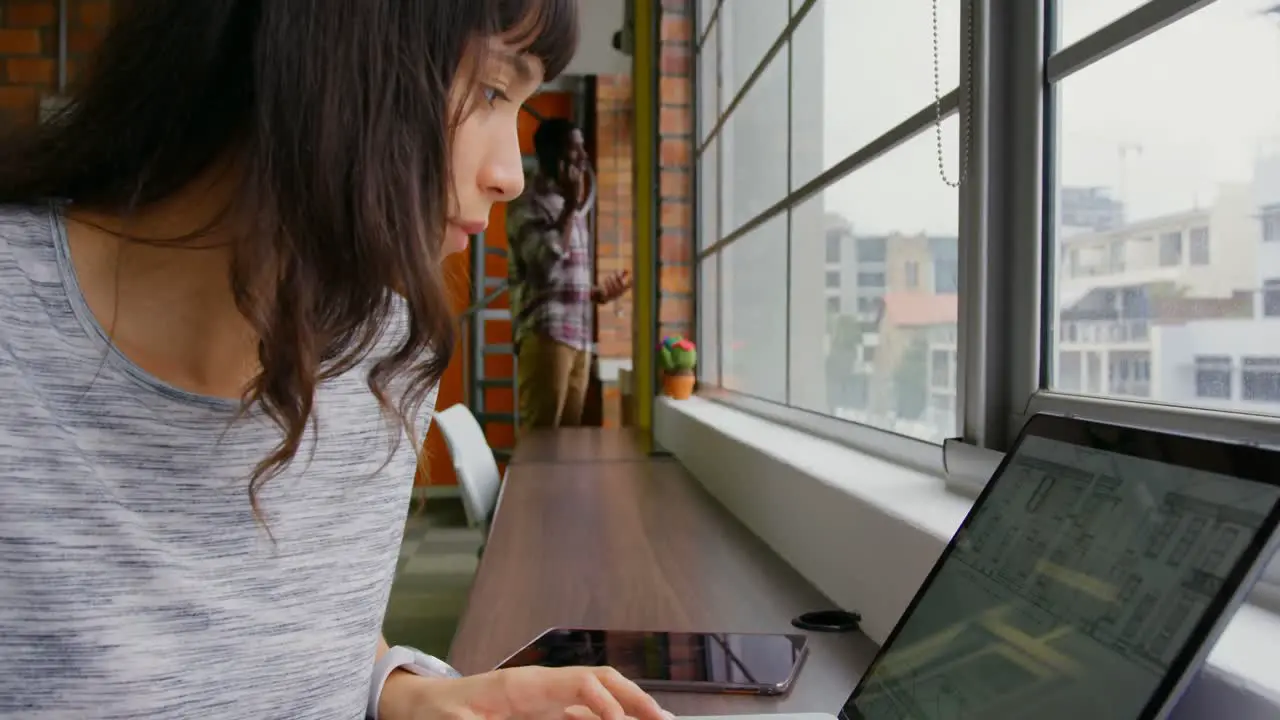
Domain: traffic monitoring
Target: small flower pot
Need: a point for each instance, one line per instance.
(678, 386)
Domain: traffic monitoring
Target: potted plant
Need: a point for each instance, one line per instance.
(679, 358)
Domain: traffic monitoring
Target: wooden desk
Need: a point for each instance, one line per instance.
(640, 545)
(573, 445)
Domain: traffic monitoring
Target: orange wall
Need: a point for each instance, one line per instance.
(436, 453)
(439, 465)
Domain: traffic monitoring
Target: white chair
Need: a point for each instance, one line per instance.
(473, 462)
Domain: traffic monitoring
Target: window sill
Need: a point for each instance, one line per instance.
(866, 532)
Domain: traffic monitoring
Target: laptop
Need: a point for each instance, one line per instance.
(1089, 580)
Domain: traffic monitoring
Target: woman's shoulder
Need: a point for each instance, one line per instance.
(30, 276)
(26, 236)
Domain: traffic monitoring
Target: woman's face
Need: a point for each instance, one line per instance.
(485, 163)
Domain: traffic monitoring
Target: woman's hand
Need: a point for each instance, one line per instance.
(526, 692)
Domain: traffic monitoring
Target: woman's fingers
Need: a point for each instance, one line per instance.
(635, 702)
(579, 712)
(579, 693)
(593, 693)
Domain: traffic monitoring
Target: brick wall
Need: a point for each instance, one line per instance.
(614, 113)
(29, 50)
(675, 169)
(615, 231)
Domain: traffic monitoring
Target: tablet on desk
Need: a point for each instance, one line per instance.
(754, 664)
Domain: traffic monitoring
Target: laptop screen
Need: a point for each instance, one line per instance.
(1082, 583)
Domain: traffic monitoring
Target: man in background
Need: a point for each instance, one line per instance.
(552, 280)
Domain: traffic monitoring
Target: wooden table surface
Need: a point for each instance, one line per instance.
(574, 445)
(639, 545)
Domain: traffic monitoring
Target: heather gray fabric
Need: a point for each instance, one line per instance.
(134, 581)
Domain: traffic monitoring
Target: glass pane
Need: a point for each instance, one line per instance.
(1080, 18)
(754, 147)
(754, 307)
(708, 177)
(705, 9)
(708, 322)
(1168, 198)
(837, 108)
(880, 347)
(750, 28)
(708, 103)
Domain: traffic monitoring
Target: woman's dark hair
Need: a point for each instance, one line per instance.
(551, 143)
(336, 116)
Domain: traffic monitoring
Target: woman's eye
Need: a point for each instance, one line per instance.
(493, 95)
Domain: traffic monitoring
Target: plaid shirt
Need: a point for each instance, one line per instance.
(550, 284)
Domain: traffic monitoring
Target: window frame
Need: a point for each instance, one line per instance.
(1004, 283)
(889, 445)
(1026, 390)
(1021, 42)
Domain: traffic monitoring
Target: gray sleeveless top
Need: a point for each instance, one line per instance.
(134, 580)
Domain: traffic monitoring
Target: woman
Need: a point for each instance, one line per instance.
(222, 320)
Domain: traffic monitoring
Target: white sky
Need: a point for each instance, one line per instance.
(1201, 98)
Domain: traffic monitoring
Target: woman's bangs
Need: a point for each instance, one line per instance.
(546, 29)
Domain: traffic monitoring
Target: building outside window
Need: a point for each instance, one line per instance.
(1213, 376)
(1271, 298)
(1260, 379)
(1200, 246)
(1170, 249)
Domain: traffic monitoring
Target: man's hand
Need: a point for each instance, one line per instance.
(612, 288)
(524, 692)
(571, 186)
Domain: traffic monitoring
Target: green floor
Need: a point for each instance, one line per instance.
(437, 564)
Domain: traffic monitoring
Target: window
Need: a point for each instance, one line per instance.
(1122, 133)
(708, 66)
(1150, 302)
(898, 390)
(1213, 376)
(833, 247)
(1271, 298)
(1187, 308)
(748, 29)
(753, 143)
(871, 280)
(913, 275)
(787, 339)
(836, 112)
(753, 312)
(1116, 249)
(1271, 223)
(1260, 379)
(1170, 249)
(946, 277)
(1200, 246)
(940, 373)
(1069, 371)
(1077, 19)
(1129, 374)
(708, 179)
(871, 250)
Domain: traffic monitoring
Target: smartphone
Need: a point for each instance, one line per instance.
(754, 664)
